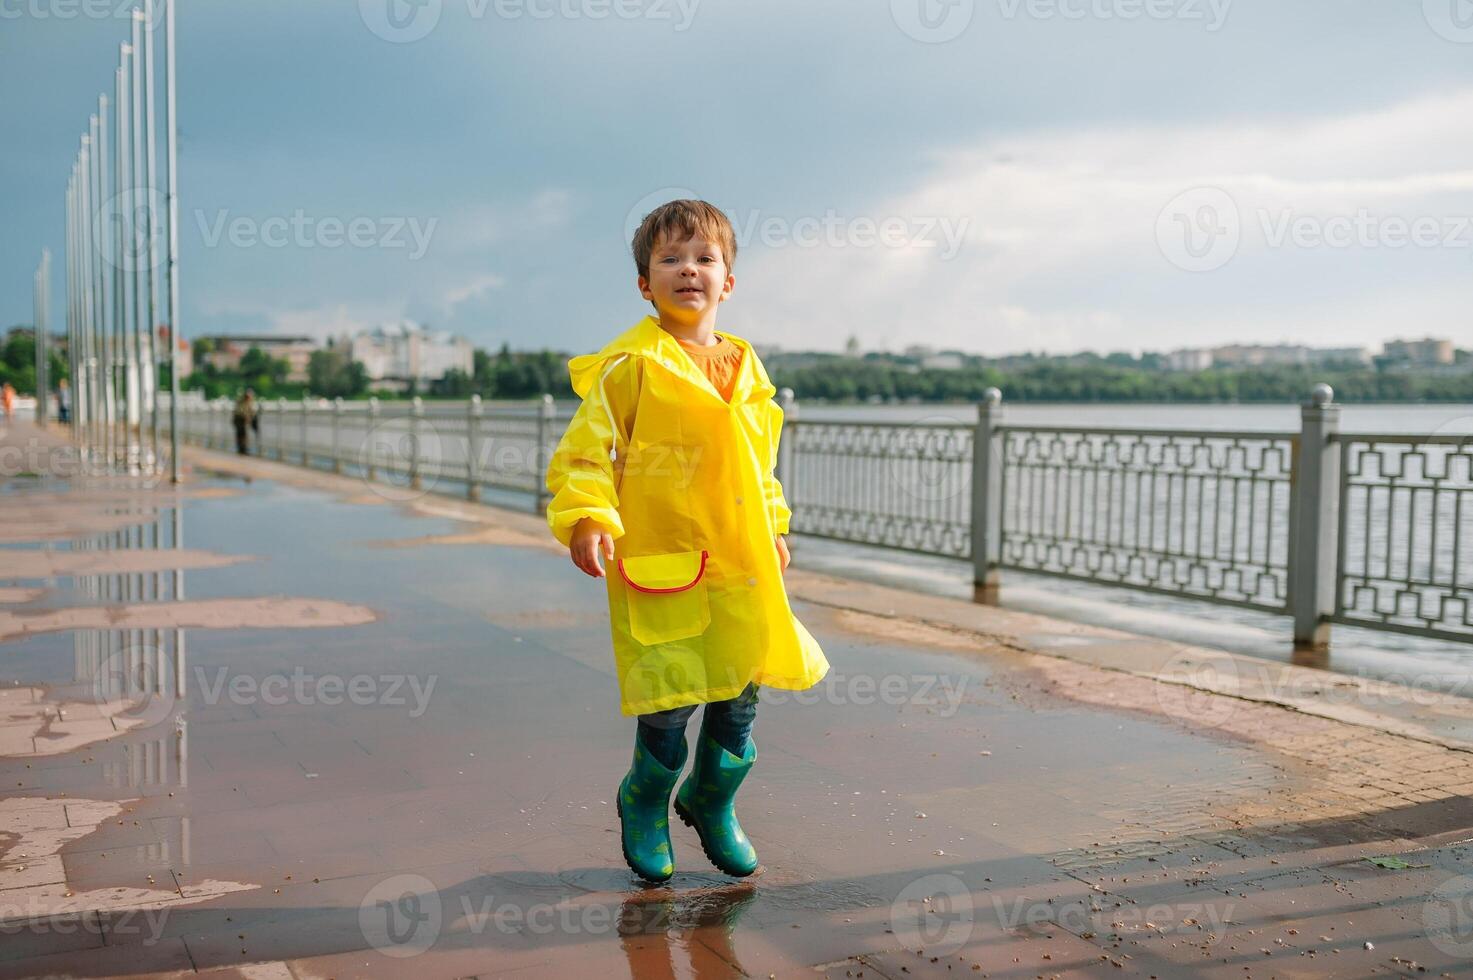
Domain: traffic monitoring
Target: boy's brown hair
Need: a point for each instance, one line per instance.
(678, 221)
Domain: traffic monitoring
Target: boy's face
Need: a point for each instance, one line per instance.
(687, 279)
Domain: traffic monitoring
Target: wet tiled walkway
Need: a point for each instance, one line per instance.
(283, 727)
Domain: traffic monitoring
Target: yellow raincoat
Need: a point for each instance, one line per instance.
(683, 481)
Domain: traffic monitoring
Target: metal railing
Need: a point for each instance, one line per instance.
(1365, 530)
(400, 444)
(1406, 534)
(1198, 514)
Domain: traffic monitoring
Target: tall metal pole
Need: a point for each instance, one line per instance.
(122, 261)
(74, 342)
(105, 282)
(172, 265)
(81, 384)
(114, 228)
(94, 287)
(149, 217)
(42, 327)
(84, 256)
(74, 301)
(142, 343)
(71, 300)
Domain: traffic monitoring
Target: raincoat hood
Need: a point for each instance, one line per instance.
(647, 339)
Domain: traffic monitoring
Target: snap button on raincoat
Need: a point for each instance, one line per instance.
(683, 481)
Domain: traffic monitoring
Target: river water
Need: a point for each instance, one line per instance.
(1432, 663)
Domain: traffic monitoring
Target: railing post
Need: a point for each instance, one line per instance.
(337, 415)
(416, 416)
(1315, 503)
(368, 468)
(303, 430)
(472, 449)
(987, 464)
(280, 429)
(783, 470)
(540, 454)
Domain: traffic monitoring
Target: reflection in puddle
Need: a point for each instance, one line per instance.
(654, 923)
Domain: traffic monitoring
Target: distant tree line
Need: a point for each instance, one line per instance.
(864, 380)
(18, 362)
(512, 375)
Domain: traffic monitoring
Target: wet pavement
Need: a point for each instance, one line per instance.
(275, 724)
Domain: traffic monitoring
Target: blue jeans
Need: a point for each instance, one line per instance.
(729, 723)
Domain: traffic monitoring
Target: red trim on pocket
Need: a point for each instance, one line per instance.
(679, 588)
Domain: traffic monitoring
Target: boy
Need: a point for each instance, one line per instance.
(666, 471)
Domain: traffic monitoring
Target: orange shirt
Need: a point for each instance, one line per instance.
(718, 362)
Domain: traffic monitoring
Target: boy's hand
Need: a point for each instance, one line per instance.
(588, 539)
(782, 551)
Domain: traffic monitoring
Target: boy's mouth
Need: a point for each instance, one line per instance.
(688, 290)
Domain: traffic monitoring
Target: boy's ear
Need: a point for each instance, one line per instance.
(644, 288)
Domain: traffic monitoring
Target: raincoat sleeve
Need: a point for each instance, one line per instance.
(581, 475)
(772, 490)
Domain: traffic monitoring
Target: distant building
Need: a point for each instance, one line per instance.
(1428, 351)
(1187, 360)
(1260, 355)
(1264, 355)
(946, 360)
(399, 353)
(230, 348)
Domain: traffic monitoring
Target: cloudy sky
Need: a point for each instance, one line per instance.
(992, 175)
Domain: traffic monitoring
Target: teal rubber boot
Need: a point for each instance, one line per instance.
(705, 801)
(643, 805)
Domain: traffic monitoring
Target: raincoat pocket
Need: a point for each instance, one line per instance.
(666, 595)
